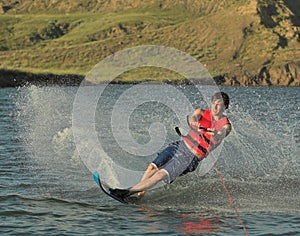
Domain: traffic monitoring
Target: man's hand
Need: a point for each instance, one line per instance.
(210, 131)
(193, 120)
(219, 136)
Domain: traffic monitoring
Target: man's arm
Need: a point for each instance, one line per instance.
(219, 136)
(195, 117)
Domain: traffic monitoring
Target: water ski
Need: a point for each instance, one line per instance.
(106, 189)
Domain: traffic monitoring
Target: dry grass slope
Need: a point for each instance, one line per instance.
(246, 42)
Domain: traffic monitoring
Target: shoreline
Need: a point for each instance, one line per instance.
(14, 78)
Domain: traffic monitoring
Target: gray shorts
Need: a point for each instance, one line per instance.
(176, 160)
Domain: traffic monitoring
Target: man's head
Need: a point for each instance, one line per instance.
(223, 97)
(219, 103)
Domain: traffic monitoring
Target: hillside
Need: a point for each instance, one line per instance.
(246, 42)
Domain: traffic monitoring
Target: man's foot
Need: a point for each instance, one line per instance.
(121, 193)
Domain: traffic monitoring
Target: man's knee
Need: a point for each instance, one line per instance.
(152, 167)
(162, 173)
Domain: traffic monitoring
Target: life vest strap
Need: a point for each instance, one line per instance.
(196, 144)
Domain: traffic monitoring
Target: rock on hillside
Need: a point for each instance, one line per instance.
(286, 75)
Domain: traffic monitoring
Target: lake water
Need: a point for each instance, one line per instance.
(50, 144)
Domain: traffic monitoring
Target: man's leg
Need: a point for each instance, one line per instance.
(150, 171)
(149, 182)
(141, 186)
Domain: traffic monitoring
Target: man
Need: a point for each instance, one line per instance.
(208, 129)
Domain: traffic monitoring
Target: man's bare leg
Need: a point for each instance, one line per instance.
(141, 186)
(149, 182)
(150, 171)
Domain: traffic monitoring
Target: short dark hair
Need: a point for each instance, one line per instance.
(223, 96)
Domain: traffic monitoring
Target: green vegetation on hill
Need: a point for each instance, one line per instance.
(246, 42)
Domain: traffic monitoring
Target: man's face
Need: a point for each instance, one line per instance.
(217, 107)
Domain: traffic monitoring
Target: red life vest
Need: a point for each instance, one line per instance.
(200, 142)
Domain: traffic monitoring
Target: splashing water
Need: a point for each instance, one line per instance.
(259, 160)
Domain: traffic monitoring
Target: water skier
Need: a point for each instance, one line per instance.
(208, 128)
